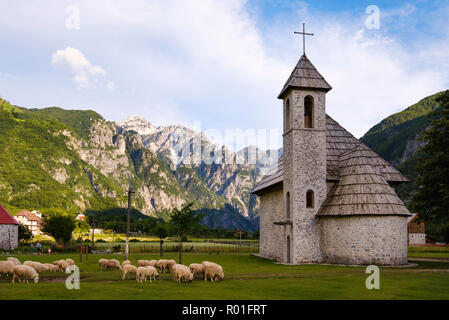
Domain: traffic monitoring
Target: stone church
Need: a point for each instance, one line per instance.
(330, 199)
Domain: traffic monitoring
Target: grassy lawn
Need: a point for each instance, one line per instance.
(246, 277)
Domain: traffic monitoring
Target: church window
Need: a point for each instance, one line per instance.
(308, 112)
(310, 199)
(287, 115)
(287, 205)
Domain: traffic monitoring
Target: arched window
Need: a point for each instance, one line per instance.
(308, 112)
(310, 199)
(287, 115)
(287, 205)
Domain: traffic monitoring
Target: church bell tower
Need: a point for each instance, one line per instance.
(304, 154)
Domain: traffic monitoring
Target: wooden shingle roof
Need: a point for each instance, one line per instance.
(305, 76)
(362, 188)
(338, 141)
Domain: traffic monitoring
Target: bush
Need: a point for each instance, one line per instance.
(134, 240)
(117, 248)
(100, 240)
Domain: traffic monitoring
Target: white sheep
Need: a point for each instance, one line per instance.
(6, 268)
(125, 263)
(146, 263)
(129, 269)
(213, 271)
(113, 264)
(15, 261)
(181, 273)
(102, 263)
(51, 267)
(62, 265)
(162, 265)
(39, 267)
(70, 262)
(197, 269)
(26, 273)
(144, 273)
(169, 265)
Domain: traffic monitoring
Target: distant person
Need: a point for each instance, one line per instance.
(49, 250)
(39, 248)
(32, 248)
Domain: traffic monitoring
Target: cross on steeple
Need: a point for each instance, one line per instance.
(304, 34)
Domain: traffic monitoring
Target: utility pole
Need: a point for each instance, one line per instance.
(127, 222)
(93, 232)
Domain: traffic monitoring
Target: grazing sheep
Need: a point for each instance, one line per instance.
(26, 273)
(212, 271)
(51, 267)
(162, 265)
(197, 269)
(6, 267)
(102, 263)
(143, 273)
(169, 265)
(113, 264)
(62, 265)
(70, 262)
(125, 263)
(181, 273)
(15, 261)
(146, 263)
(129, 269)
(39, 267)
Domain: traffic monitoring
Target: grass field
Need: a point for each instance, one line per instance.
(246, 277)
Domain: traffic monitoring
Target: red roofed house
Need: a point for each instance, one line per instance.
(9, 230)
(32, 220)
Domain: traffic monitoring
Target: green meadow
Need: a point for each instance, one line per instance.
(246, 277)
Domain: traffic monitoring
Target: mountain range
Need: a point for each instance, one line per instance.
(78, 161)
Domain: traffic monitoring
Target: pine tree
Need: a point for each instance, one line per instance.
(431, 200)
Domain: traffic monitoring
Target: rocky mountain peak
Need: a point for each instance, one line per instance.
(139, 124)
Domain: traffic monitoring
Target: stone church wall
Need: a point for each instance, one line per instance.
(8, 236)
(380, 240)
(272, 242)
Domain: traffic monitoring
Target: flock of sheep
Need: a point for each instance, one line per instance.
(149, 269)
(145, 270)
(30, 270)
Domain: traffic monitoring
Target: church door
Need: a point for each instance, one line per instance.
(288, 250)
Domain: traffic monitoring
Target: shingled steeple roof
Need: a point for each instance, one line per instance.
(338, 141)
(305, 76)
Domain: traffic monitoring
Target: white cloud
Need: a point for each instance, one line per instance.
(214, 61)
(84, 72)
(110, 85)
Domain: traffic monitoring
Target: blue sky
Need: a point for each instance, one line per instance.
(220, 62)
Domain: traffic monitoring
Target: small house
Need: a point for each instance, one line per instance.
(9, 230)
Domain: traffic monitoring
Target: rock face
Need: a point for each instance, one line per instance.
(76, 160)
(228, 176)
